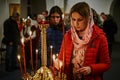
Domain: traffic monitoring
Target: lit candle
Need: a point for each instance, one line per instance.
(53, 57)
(23, 54)
(57, 55)
(51, 54)
(60, 66)
(31, 51)
(53, 60)
(36, 58)
(19, 59)
(63, 24)
(62, 16)
(28, 17)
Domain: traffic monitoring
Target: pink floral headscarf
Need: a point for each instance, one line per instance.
(80, 45)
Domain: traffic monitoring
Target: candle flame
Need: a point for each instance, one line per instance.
(53, 57)
(62, 16)
(56, 55)
(28, 17)
(61, 64)
(51, 46)
(36, 51)
(22, 40)
(18, 57)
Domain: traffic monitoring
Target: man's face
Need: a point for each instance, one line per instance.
(55, 18)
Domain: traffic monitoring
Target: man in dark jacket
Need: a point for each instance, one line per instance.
(11, 40)
(110, 28)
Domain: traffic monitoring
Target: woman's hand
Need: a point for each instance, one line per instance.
(85, 70)
(56, 64)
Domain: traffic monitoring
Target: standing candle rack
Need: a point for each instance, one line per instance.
(44, 73)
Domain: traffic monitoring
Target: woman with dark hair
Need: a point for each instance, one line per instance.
(84, 49)
(54, 31)
(55, 17)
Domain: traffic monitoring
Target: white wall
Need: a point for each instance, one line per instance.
(51, 3)
(3, 15)
(98, 5)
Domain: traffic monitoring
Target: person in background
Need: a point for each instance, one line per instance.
(84, 49)
(55, 31)
(45, 14)
(11, 40)
(96, 18)
(26, 35)
(110, 28)
(40, 17)
(34, 21)
(21, 24)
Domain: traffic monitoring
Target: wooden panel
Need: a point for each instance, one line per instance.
(14, 8)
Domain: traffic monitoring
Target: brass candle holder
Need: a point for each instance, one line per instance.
(44, 73)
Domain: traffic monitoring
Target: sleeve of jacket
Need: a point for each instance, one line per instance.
(7, 32)
(103, 59)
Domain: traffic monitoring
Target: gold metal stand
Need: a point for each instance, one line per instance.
(44, 73)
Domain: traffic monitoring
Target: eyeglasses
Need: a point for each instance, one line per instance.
(55, 16)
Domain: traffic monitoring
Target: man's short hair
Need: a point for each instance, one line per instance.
(102, 13)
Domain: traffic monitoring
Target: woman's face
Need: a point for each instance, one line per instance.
(55, 18)
(78, 22)
(28, 22)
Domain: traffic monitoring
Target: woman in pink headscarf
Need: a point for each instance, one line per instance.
(84, 50)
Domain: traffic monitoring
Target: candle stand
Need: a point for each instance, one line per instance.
(44, 73)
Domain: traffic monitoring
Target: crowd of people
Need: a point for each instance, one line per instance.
(84, 55)
(86, 43)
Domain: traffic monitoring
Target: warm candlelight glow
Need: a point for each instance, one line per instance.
(18, 57)
(60, 64)
(22, 40)
(36, 51)
(51, 63)
(56, 55)
(62, 16)
(28, 17)
(51, 46)
(36, 59)
(53, 57)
